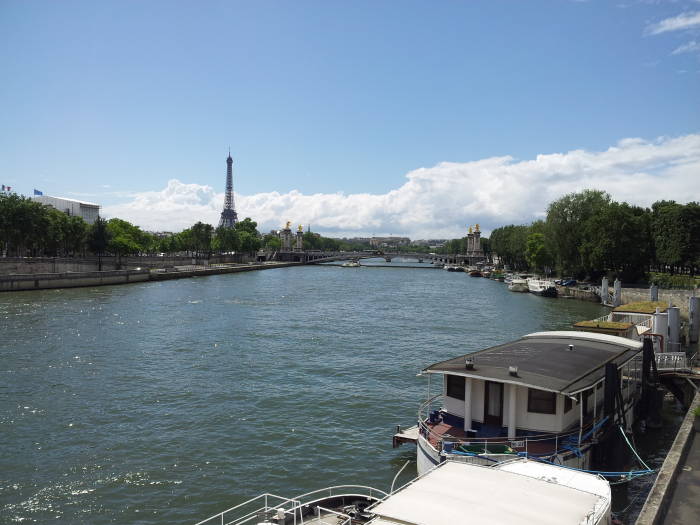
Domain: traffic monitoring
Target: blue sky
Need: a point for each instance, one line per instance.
(109, 101)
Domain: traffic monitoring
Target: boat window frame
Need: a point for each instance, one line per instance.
(450, 378)
(550, 397)
(568, 404)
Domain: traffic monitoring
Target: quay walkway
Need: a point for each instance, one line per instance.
(675, 497)
(684, 506)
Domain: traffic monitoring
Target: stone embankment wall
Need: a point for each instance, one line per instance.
(36, 265)
(32, 265)
(39, 281)
(677, 298)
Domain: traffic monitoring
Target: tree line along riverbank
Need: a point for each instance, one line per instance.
(586, 235)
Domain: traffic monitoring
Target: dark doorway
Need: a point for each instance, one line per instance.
(493, 403)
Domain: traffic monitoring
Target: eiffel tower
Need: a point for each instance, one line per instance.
(229, 217)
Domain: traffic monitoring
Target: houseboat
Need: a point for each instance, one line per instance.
(518, 492)
(542, 287)
(518, 285)
(539, 396)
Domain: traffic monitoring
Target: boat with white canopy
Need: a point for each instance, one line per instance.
(518, 492)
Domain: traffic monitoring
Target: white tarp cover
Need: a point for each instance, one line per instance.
(460, 493)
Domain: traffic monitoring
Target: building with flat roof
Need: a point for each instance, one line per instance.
(87, 210)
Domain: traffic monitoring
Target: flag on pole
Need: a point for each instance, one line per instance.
(37, 192)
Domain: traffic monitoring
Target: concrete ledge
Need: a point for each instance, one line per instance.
(660, 495)
(41, 281)
(158, 275)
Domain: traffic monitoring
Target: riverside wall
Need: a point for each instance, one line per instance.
(40, 265)
(679, 298)
(40, 281)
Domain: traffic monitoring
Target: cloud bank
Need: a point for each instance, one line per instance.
(675, 23)
(440, 201)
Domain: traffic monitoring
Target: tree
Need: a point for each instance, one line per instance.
(247, 225)
(98, 239)
(566, 218)
(272, 242)
(536, 253)
(200, 238)
(249, 242)
(510, 243)
(676, 235)
(125, 239)
(226, 240)
(75, 235)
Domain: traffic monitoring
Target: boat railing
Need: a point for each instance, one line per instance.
(270, 506)
(524, 443)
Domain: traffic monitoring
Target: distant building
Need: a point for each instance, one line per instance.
(431, 243)
(378, 242)
(87, 210)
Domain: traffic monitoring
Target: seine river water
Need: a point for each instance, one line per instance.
(166, 402)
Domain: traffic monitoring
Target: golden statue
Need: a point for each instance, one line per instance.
(477, 227)
(470, 230)
(288, 225)
(300, 228)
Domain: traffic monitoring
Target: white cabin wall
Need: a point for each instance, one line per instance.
(454, 406)
(537, 422)
(572, 416)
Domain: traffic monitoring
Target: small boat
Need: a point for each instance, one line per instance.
(542, 287)
(351, 264)
(475, 272)
(518, 492)
(453, 268)
(518, 285)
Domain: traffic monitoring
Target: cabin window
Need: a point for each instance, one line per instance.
(568, 404)
(455, 387)
(541, 402)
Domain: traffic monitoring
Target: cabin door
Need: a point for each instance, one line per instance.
(493, 403)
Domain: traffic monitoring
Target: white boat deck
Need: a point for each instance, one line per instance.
(530, 493)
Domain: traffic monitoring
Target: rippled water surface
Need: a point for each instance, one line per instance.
(166, 402)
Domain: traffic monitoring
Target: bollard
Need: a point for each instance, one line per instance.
(694, 317)
(604, 290)
(617, 298)
(654, 292)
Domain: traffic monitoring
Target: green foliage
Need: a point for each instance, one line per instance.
(98, 236)
(536, 253)
(510, 243)
(567, 228)
(226, 240)
(271, 242)
(125, 238)
(678, 281)
(676, 230)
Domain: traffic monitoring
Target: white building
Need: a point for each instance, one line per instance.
(87, 210)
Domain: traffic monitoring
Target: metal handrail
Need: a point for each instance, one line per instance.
(557, 436)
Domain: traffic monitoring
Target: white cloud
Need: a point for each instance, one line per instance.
(442, 200)
(675, 23)
(688, 47)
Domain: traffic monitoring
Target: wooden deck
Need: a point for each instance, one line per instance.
(440, 431)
